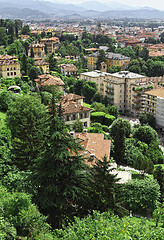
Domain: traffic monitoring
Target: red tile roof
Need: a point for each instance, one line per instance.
(47, 79)
(94, 143)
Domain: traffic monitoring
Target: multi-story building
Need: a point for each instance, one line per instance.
(73, 109)
(38, 49)
(111, 59)
(123, 89)
(42, 64)
(153, 103)
(9, 66)
(51, 43)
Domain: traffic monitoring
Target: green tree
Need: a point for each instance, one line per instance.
(158, 174)
(3, 36)
(89, 89)
(101, 58)
(78, 126)
(26, 30)
(140, 195)
(145, 134)
(26, 119)
(24, 64)
(120, 129)
(113, 110)
(58, 173)
(34, 72)
(104, 188)
(21, 216)
(31, 53)
(146, 118)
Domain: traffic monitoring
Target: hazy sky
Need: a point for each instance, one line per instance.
(159, 4)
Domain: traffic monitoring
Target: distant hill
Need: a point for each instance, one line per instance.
(25, 13)
(35, 9)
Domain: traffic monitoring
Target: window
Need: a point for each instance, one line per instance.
(7, 69)
(120, 91)
(120, 96)
(14, 68)
(7, 74)
(86, 115)
(11, 73)
(14, 73)
(120, 101)
(67, 118)
(81, 115)
(11, 68)
(74, 117)
(85, 124)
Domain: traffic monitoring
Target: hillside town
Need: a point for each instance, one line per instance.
(81, 128)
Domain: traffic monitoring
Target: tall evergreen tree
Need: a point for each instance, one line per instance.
(24, 64)
(31, 53)
(120, 129)
(104, 188)
(58, 173)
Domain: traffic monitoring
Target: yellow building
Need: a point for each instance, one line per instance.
(42, 64)
(52, 44)
(112, 59)
(154, 104)
(9, 66)
(119, 88)
(38, 49)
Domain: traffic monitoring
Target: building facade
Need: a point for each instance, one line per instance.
(73, 109)
(9, 66)
(153, 103)
(123, 89)
(111, 59)
(51, 43)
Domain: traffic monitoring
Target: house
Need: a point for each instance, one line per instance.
(38, 49)
(73, 109)
(68, 69)
(9, 66)
(95, 146)
(42, 64)
(46, 79)
(51, 43)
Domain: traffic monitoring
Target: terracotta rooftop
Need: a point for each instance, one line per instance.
(41, 62)
(47, 79)
(71, 97)
(7, 57)
(94, 143)
(68, 67)
(73, 107)
(156, 92)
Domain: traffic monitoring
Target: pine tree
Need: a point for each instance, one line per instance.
(58, 173)
(31, 53)
(24, 64)
(104, 188)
